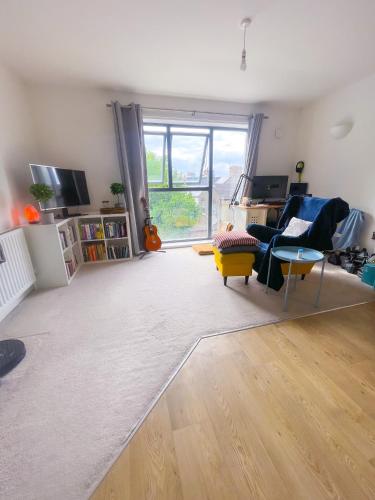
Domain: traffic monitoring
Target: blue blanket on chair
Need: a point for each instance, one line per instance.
(324, 214)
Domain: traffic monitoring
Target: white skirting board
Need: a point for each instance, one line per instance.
(17, 276)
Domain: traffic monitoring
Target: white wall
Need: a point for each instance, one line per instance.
(75, 130)
(17, 148)
(344, 167)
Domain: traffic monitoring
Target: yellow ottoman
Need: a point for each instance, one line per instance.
(234, 264)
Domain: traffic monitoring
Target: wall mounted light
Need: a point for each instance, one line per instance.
(340, 130)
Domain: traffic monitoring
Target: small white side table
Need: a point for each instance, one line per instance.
(289, 254)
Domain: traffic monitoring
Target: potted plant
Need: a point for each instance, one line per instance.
(116, 189)
(43, 193)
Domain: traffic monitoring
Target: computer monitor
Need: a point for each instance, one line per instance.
(269, 187)
(298, 188)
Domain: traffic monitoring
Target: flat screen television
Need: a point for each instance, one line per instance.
(269, 187)
(69, 186)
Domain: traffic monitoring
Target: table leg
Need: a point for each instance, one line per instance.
(287, 287)
(320, 283)
(269, 271)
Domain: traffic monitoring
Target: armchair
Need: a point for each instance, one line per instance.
(324, 214)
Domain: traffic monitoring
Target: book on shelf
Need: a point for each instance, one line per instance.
(115, 229)
(92, 231)
(71, 266)
(63, 239)
(118, 252)
(93, 252)
(72, 234)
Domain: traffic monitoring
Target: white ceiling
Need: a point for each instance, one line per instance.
(297, 49)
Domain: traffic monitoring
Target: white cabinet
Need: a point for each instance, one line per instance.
(54, 250)
(104, 238)
(58, 250)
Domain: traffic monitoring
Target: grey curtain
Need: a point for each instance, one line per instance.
(132, 161)
(251, 159)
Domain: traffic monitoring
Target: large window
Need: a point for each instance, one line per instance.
(228, 161)
(192, 172)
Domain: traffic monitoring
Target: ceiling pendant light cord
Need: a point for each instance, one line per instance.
(243, 57)
(245, 23)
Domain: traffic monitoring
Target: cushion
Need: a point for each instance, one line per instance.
(234, 239)
(296, 227)
(239, 249)
(203, 249)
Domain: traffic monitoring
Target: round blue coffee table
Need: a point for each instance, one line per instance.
(290, 254)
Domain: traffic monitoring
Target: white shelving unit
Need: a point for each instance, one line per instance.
(55, 252)
(99, 236)
(58, 250)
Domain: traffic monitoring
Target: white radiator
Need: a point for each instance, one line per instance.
(16, 270)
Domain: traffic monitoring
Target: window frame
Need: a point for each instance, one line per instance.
(208, 146)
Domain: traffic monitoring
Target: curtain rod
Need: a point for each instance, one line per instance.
(191, 112)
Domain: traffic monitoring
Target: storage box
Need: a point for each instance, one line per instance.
(368, 275)
(112, 210)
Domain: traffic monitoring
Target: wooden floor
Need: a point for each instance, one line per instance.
(280, 411)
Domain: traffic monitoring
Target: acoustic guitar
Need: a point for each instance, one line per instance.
(152, 240)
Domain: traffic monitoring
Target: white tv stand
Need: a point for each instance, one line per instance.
(58, 250)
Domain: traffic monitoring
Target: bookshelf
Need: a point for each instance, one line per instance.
(104, 238)
(59, 250)
(55, 253)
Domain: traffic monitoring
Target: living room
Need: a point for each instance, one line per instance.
(166, 373)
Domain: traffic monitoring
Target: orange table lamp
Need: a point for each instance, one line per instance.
(31, 214)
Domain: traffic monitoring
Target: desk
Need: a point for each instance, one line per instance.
(255, 214)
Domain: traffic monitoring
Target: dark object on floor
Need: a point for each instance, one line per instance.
(354, 259)
(323, 213)
(12, 351)
(335, 258)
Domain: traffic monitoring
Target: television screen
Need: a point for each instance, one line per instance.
(69, 186)
(269, 187)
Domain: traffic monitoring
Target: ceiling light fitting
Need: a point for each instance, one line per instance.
(245, 23)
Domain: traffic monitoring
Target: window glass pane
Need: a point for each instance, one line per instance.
(180, 215)
(228, 163)
(189, 160)
(156, 158)
(192, 130)
(155, 128)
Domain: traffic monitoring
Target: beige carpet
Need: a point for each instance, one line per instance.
(100, 350)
